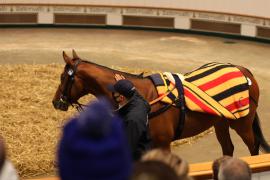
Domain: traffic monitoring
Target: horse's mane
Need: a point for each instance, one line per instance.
(140, 76)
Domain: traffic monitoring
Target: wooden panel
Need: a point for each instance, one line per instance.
(215, 26)
(148, 21)
(260, 163)
(49, 178)
(18, 18)
(263, 32)
(79, 19)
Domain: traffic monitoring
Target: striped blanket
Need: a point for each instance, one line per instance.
(214, 88)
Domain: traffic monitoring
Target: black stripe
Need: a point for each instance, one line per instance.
(210, 71)
(202, 67)
(231, 91)
(167, 82)
(209, 65)
(240, 110)
(171, 96)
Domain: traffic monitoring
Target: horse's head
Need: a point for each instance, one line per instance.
(80, 78)
(71, 85)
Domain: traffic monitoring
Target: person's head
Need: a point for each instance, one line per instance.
(216, 165)
(169, 158)
(93, 146)
(2, 153)
(122, 91)
(153, 170)
(234, 169)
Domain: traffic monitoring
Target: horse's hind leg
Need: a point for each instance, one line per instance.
(223, 136)
(243, 127)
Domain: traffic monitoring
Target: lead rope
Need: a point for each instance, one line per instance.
(78, 106)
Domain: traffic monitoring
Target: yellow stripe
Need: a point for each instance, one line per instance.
(164, 80)
(161, 89)
(235, 97)
(210, 100)
(175, 92)
(201, 71)
(226, 85)
(242, 113)
(167, 100)
(214, 75)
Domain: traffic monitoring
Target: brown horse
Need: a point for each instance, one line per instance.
(82, 77)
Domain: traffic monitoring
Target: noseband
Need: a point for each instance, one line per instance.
(65, 94)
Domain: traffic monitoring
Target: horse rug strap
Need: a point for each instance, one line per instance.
(176, 97)
(214, 88)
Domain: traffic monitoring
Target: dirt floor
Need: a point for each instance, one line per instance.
(137, 49)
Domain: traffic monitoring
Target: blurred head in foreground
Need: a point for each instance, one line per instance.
(234, 169)
(153, 170)
(7, 170)
(2, 153)
(179, 165)
(93, 146)
(216, 165)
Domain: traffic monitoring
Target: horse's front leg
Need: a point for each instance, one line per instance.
(223, 136)
(162, 128)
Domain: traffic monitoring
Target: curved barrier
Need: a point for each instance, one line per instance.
(260, 166)
(146, 15)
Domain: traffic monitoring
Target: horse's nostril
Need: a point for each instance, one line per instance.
(55, 104)
(59, 105)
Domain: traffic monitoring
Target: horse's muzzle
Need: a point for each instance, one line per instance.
(61, 105)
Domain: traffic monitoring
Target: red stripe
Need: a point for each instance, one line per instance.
(159, 95)
(238, 104)
(198, 102)
(220, 80)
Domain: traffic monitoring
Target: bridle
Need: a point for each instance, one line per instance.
(65, 94)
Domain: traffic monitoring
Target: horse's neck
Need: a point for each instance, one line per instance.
(95, 79)
(99, 78)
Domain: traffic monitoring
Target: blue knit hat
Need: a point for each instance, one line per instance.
(93, 146)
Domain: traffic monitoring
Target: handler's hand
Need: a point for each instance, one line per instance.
(118, 77)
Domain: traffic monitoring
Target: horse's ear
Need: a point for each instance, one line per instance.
(67, 59)
(75, 56)
(141, 75)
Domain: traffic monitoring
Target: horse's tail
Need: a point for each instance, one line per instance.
(259, 135)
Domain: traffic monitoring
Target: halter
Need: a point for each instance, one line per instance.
(65, 94)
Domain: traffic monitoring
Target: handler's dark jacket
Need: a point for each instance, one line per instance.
(134, 114)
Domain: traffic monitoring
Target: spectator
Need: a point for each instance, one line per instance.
(153, 170)
(234, 169)
(179, 165)
(133, 108)
(216, 165)
(93, 146)
(7, 170)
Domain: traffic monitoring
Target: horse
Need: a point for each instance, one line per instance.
(81, 77)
